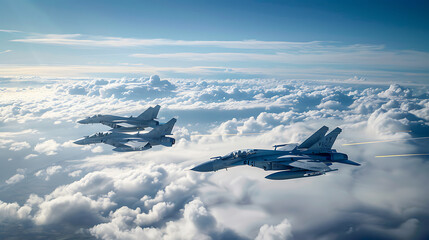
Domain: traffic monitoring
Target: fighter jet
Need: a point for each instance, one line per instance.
(126, 124)
(133, 142)
(311, 158)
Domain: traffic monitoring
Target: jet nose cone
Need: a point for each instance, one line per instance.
(79, 142)
(205, 167)
(81, 121)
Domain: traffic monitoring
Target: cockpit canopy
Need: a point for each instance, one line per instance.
(96, 116)
(239, 153)
(99, 134)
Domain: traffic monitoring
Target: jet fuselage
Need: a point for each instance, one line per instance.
(112, 120)
(266, 159)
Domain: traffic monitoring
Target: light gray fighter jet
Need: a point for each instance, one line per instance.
(133, 142)
(126, 124)
(311, 158)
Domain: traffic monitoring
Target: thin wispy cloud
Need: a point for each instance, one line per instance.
(101, 41)
(221, 59)
(334, 56)
(9, 31)
(207, 71)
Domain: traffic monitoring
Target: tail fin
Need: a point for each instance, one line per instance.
(164, 129)
(314, 138)
(155, 111)
(326, 142)
(150, 113)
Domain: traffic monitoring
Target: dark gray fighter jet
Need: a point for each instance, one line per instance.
(311, 158)
(133, 142)
(126, 124)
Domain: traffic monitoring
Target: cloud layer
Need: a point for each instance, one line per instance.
(67, 190)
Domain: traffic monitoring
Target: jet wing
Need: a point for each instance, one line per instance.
(136, 144)
(125, 125)
(116, 144)
(116, 124)
(110, 124)
(131, 145)
(310, 165)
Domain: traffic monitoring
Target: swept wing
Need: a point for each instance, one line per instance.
(133, 143)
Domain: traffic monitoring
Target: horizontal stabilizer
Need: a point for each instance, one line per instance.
(164, 129)
(349, 162)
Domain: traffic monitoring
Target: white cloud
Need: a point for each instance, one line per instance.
(17, 146)
(12, 211)
(15, 179)
(48, 147)
(5, 142)
(195, 223)
(48, 172)
(281, 231)
(9, 30)
(322, 55)
(76, 210)
(97, 149)
(75, 173)
(31, 155)
(153, 194)
(82, 40)
(315, 59)
(5, 51)
(19, 133)
(217, 71)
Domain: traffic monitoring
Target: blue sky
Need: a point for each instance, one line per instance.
(379, 41)
(397, 24)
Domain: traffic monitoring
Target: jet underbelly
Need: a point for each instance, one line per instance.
(265, 164)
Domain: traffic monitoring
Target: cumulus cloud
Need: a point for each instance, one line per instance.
(48, 172)
(12, 211)
(75, 173)
(5, 142)
(97, 149)
(280, 231)
(75, 210)
(195, 223)
(16, 146)
(15, 178)
(48, 147)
